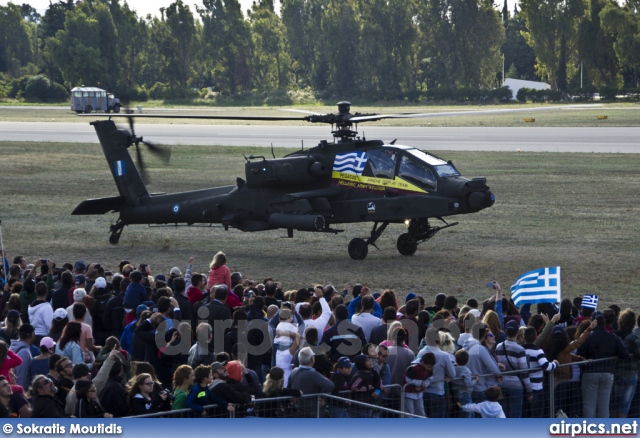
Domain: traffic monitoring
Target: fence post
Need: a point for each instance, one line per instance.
(552, 394)
(318, 407)
(402, 400)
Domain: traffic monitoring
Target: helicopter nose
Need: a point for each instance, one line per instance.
(480, 200)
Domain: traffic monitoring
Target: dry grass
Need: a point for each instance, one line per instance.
(578, 211)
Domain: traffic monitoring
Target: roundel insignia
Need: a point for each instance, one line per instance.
(175, 209)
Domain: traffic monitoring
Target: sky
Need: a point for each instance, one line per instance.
(142, 7)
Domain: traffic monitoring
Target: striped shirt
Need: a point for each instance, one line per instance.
(513, 357)
(539, 364)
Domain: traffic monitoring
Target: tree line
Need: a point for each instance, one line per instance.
(369, 49)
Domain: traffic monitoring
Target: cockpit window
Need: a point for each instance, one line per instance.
(381, 163)
(417, 172)
(446, 170)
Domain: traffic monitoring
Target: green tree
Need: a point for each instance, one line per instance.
(179, 46)
(517, 53)
(623, 25)
(271, 59)
(386, 52)
(15, 40)
(341, 32)
(461, 42)
(552, 28)
(595, 48)
(229, 46)
(75, 50)
(307, 48)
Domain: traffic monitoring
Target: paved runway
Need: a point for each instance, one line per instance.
(603, 140)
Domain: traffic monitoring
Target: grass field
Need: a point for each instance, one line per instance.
(578, 211)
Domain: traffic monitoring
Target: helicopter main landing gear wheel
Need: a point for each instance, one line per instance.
(116, 231)
(419, 231)
(359, 248)
(406, 244)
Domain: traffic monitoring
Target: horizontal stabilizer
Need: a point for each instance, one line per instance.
(100, 205)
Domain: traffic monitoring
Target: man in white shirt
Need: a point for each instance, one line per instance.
(305, 311)
(365, 318)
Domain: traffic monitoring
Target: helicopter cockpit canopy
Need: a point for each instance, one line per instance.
(409, 164)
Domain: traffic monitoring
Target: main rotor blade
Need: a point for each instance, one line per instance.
(160, 151)
(201, 117)
(372, 118)
(301, 111)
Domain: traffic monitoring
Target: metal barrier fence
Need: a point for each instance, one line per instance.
(561, 396)
(306, 406)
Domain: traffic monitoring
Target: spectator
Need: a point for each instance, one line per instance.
(489, 408)
(99, 298)
(538, 361)
(113, 396)
(307, 380)
(219, 272)
(86, 335)
(343, 338)
(58, 324)
(64, 384)
(274, 388)
(21, 348)
(340, 379)
(40, 363)
(417, 378)
(222, 390)
(11, 325)
(44, 406)
(140, 400)
(183, 380)
(40, 313)
(5, 397)
(218, 313)
(626, 375)
(513, 386)
(462, 385)
(365, 318)
(60, 296)
(134, 295)
(8, 360)
(287, 340)
(597, 378)
(88, 404)
(482, 363)
(79, 296)
(365, 386)
(201, 396)
(359, 293)
(126, 340)
(114, 314)
(69, 345)
(379, 333)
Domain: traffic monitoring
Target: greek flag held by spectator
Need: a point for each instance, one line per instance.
(539, 286)
(590, 301)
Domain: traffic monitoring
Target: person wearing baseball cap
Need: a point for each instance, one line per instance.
(340, 378)
(79, 296)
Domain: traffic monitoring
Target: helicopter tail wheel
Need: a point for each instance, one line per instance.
(358, 249)
(407, 245)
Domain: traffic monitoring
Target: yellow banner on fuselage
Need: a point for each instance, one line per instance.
(358, 182)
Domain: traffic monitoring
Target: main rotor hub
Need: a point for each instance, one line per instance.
(344, 107)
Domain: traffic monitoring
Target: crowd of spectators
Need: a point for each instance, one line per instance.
(80, 341)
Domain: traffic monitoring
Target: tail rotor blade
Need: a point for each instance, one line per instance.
(160, 151)
(141, 166)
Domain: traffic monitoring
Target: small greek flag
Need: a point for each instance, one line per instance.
(119, 168)
(539, 286)
(352, 162)
(590, 301)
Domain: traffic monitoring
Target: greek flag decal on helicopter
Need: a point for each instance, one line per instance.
(119, 168)
(352, 162)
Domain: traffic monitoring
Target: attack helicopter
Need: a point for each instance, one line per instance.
(347, 180)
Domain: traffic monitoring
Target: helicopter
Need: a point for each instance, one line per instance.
(347, 180)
